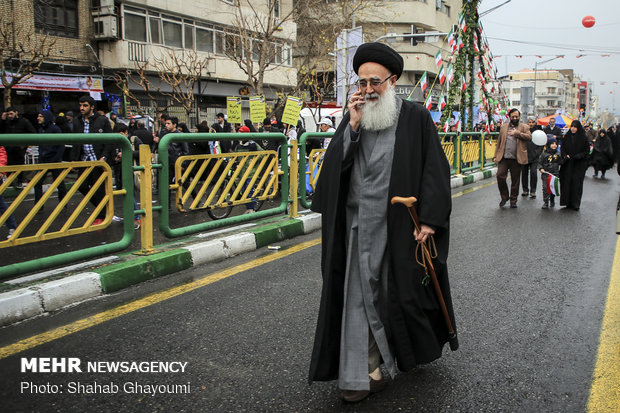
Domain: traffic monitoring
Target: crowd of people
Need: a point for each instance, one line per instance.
(565, 157)
(138, 131)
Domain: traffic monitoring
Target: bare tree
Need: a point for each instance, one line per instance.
(178, 69)
(181, 70)
(22, 50)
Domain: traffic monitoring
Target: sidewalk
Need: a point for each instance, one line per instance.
(35, 294)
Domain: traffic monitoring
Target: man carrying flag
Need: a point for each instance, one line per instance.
(549, 167)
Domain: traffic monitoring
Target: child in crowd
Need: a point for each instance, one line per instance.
(549, 163)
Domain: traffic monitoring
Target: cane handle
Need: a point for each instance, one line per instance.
(407, 201)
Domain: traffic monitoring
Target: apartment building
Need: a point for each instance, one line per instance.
(543, 92)
(97, 41)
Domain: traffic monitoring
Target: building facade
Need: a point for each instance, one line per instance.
(544, 92)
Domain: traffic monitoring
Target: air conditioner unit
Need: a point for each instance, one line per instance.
(105, 27)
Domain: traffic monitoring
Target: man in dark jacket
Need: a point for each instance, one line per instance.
(12, 123)
(143, 134)
(49, 154)
(375, 305)
(529, 175)
(90, 122)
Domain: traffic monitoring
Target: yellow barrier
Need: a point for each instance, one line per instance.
(448, 149)
(315, 160)
(65, 226)
(215, 181)
(470, 151)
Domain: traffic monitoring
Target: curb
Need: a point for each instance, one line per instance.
(21, 304)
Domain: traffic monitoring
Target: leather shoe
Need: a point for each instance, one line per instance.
(502, 202)
(354, 396)
(513, 205)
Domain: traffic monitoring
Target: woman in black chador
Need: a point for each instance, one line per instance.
(602, 154)
(575, 150)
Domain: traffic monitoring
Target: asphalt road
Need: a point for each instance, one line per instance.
(528, 285)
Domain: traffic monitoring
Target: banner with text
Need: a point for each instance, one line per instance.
(233, 109)
(257, 109)
(292, 110)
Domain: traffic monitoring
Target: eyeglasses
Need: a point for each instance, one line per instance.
(363, 83)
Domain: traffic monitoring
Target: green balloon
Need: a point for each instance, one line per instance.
(502, 112)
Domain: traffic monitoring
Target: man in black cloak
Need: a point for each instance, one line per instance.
(376, 305)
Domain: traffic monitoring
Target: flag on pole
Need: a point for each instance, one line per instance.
(451, 38)
(423, 83)
(476, 48)
(460, 44)
(463, 22)
(442, 102)
(446, 126)
(442, 76)
(438, 60)
(552, 184)
(428, 103)
(463, 84)
(450, 73)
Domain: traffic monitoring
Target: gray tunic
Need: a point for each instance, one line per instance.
(366, 273)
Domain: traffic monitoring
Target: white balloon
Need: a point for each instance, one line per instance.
(539, 138)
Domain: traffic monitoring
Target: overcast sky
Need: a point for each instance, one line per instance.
(553, 27)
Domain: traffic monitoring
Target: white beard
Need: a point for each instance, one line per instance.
(382, 113)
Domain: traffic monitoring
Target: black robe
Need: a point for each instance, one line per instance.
(414, 323)
(573, 169)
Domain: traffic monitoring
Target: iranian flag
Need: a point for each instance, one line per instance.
(451, 38)
(463, 84)
(428, 103)
(442, 76)
(442, 102)
(476, 48)
(460, 44)
(438, 60)
(552, 184)
(446, 126)
(463, 22)
(423, 82)
(450, 73)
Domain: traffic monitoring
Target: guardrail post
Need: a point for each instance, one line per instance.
(294, 180)
(481, 147)
(146, 201)
(458, 154)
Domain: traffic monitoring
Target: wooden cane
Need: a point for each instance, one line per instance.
(409, 203)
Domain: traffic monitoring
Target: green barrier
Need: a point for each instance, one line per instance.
(164, 175)
(303, 163)
(128, 211)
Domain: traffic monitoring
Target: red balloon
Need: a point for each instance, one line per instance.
(588, 21)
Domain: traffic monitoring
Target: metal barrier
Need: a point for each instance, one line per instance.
(225, 179)
(312, 166)
(72, 224)
(201, 183)
(232, 192)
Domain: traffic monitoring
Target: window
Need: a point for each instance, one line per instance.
(135, 27)
(516, 102)
(155, 24)
(173, 33)
(204, 40)
(276, 7)
(56, 17)
(256, 49)
(189, 36)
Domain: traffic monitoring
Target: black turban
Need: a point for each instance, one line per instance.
(378, 53)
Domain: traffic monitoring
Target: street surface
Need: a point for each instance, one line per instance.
(528, 285)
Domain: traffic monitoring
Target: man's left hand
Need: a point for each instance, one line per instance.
(424, 233)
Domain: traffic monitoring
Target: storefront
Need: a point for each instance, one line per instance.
(59, 93)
